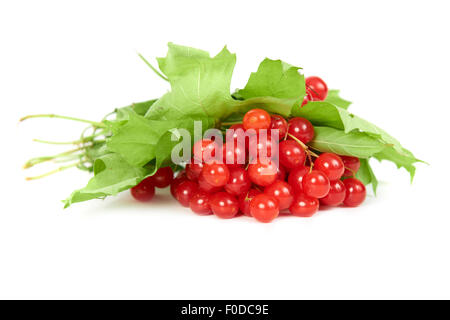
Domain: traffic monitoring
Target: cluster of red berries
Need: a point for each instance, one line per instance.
(264, 187)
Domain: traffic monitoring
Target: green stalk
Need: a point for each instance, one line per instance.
(82, 140)
(35, 161)
(94, 123)
(53, 171)
(152, 67)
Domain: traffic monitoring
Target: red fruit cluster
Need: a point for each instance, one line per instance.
(262, 185)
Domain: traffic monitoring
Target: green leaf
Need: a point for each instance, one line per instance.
(366, 175)
(326, 114)
(334, 98)
(402, 160)
(141, 108)
(136, 138)
(112, 174)
(200, 84)
(354, 144)
(277, 79)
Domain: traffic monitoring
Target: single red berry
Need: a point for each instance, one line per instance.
(216, 174)
(144, 191)
(280, 124)
(301, 129)
(256, 119)
(318, 88)
(239, 182)
(308, 97)
(316, 184)
(304, 206)
(282, 191)
(355, 192)
(351, 165)
(264, 207)
(263, 173)
(199, 203)
(295, 178)
(336, 195)
(224, 205)
(204, 150)
(184, 192)
(244, 201)
(181, 176)
(291, 154)
(330, 164)
(205, 186)
(193, 170)
(163, 177)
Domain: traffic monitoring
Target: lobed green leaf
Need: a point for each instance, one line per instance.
(112, 174)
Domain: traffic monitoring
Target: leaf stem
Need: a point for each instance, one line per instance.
(53, 171)
(94, 123)
(152, 67)
(82, 140)
(35, 161)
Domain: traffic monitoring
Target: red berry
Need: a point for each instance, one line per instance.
(264, 207)
(263, 173)
(336, 195)
(295, 178)
(239, 182)
(184, 192)
(256, 119)
(282, 191)
(163, 177)
(144, 191)
(355, 192)
(204, 150)
(316, 184)
(330, 164)
(304, 206)
(199, 203)
(244, 201)
(291, 154)
(318, 88)
(205, 186)
(193, 170)
(216, 174)
(302, 129)
(175, 182)
(224, 205)
(280, 124)
(351, 165)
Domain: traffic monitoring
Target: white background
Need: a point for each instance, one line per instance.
(391, 58)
